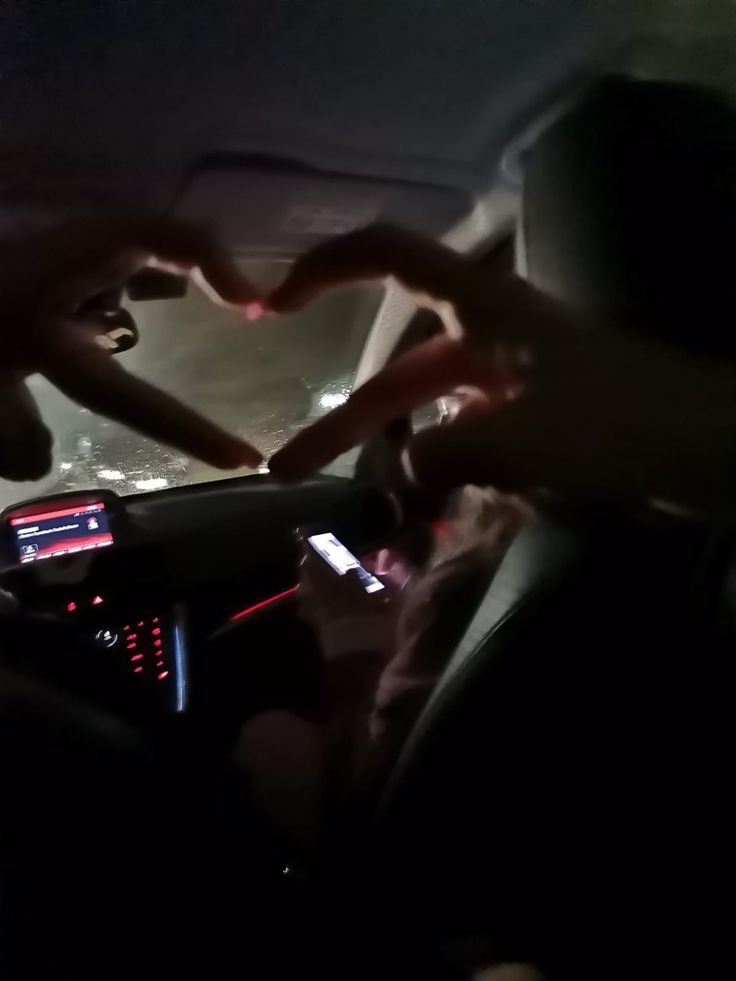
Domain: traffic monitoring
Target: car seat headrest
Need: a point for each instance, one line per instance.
(629, 210)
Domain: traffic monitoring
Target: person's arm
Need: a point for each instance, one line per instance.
(355, 633)
(351, 680)
(559, 405)
(46, 278)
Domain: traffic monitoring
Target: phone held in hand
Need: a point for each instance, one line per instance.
(339, 558)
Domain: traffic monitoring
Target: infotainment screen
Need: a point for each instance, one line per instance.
(61, 531)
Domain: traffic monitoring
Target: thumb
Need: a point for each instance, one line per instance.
(498, 449)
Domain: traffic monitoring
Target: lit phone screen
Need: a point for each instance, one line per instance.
(339, 558)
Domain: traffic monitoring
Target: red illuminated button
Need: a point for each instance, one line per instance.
(157, 643)
(132, 637)
(141, 623)
(137, 657)
(97, 601)
(71, 607)
(162, 675)
(130, 647)
(126, 627)
(155, 620)
(156, 631)
(159, 664)
(137, 670)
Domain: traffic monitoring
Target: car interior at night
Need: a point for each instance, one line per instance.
(535, 813)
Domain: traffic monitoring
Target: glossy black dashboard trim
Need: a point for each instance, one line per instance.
(248, 481)
(186, 540)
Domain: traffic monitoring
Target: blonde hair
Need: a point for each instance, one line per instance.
(438, 602)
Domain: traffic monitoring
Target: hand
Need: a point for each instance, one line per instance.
(344, 617)
(45, 277)
(556, 402)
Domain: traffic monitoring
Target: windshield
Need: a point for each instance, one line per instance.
(264, 381)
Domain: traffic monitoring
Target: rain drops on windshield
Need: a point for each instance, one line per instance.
(331, 400)
(263, 381)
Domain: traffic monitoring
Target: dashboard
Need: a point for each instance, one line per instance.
(151, 582)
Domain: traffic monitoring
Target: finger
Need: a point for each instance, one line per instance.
(25, 442)
(79, 368)
(525, 445)
(191, 247)
(542, 443)
(417, 377)
(419, 263)
(104, 253)
(354, 587)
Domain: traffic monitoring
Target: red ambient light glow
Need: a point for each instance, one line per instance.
(262, 605)
(31, 519)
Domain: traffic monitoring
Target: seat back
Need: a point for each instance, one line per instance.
(571, 748)
(560, 794)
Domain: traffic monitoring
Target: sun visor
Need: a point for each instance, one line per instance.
(271, 208)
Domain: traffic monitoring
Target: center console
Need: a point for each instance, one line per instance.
(147, 643)
(56, 545)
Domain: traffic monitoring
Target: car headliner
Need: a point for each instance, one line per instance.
(126, 96)
(124, 99)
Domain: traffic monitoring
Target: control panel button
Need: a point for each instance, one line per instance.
(147, 648)
(106, 637)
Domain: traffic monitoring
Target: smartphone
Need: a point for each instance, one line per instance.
(332, 550)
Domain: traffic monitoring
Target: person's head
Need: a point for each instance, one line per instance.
(437, 604)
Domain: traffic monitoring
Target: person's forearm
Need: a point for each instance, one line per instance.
(351, 686)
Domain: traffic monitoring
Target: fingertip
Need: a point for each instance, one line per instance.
(285, 299)
(283, 467)
(254, 310)
(251, 457)
(275, 305)
(237, 453)
(282, 473)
